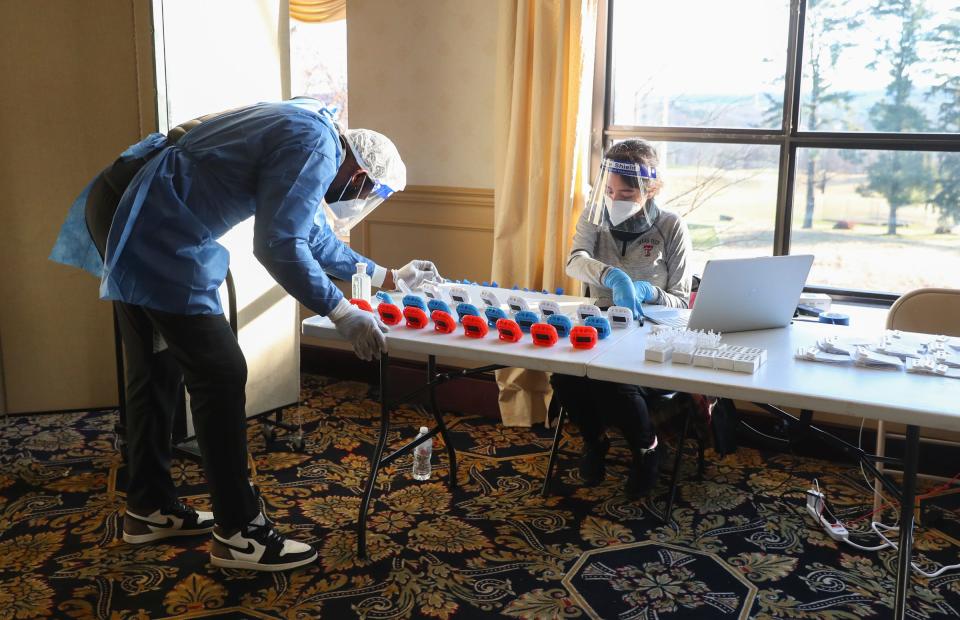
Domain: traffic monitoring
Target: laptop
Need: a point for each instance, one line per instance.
(742, 294)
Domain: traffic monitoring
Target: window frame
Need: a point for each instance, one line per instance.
(788, 137)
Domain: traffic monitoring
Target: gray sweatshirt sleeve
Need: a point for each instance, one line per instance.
(582, 265)
(679, 250)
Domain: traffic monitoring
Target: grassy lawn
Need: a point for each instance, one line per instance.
(735, 218)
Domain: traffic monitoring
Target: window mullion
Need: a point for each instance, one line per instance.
(602, 86)
(791, 120)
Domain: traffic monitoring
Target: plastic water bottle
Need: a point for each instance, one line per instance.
(421, 456)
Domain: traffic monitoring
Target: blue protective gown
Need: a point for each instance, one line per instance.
(273, 161)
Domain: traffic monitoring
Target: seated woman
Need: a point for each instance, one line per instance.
(627, 251)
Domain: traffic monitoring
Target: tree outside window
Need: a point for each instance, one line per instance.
(870, 133)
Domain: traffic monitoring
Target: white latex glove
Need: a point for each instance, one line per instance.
(363, 329)
(415, 272)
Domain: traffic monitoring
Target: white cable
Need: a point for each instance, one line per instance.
(876, 526)
(835, 528)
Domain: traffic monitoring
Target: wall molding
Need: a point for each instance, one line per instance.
(434, 194)
(429, 207)
(400, 222)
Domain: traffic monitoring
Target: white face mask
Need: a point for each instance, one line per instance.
(344, 215)
(348, 209)
(621, 210)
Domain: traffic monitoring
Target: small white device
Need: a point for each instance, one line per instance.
(585, 311)
(619, 316)
(460, 295)
(431, 291)
(490, 299)
(548, 307)
(820, 301)
(517, 303)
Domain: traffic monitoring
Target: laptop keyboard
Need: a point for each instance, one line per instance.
(671, 317)
(678, 321)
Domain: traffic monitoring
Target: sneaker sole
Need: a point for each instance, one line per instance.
(244, 564)
(139, 539)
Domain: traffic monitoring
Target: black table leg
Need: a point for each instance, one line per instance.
(375, 461)
(675, 475)
(906, 520)
(438, 418)
(559, 414)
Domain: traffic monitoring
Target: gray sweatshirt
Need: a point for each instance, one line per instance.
(660, 256)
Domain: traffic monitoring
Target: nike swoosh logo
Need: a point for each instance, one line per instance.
(249, 550)
(168, 522)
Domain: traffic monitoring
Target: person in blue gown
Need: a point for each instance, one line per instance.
(149, 225)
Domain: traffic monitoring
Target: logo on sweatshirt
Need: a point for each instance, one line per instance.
(650, 245)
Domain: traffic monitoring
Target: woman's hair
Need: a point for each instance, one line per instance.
(636, 151)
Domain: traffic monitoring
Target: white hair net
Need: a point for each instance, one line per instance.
(378, 156)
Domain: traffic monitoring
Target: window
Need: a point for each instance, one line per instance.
(829, 127)
(318, 63)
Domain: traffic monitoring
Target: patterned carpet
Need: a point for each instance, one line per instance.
(741, 546)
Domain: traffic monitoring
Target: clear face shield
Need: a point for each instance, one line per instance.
(620, 198)
(384, 174)
(347, 212)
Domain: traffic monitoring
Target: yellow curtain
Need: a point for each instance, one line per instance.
(318, 11)
(543, 93)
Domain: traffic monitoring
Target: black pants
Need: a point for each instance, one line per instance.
(596, 405)
(204, 349)
(203, 352)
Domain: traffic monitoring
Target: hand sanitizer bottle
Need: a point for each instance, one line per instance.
(421, 456)
(360, 283)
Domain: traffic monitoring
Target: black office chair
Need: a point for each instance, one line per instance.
(658, 403)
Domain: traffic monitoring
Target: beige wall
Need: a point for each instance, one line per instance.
(77, 89)
(422, 72)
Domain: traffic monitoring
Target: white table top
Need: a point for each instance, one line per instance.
(890, 395)
(561, 357)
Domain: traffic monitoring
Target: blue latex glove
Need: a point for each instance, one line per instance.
(622, 288)
(646, 292)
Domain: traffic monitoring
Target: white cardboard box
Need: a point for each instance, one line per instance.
(655, 354)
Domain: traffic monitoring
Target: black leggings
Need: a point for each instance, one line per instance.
(595, 405)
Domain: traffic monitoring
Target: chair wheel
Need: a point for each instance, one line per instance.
(269, 433)
(297, 442)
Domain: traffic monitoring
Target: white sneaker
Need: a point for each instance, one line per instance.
(175, 520)
(257, 546)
